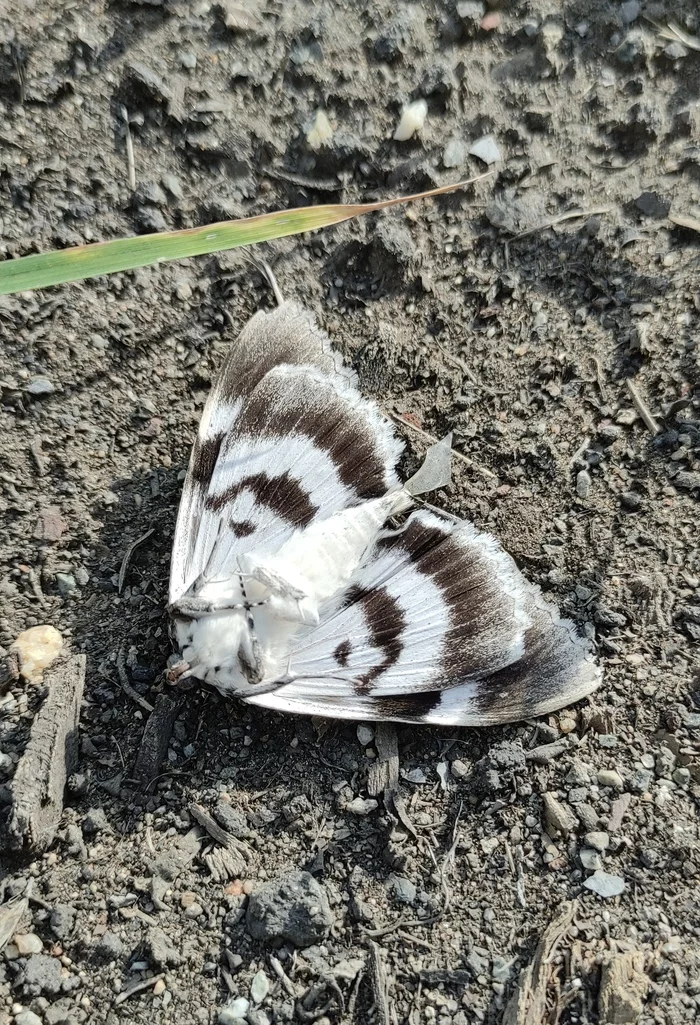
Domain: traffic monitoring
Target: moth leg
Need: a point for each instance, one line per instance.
(289, 599)
(196, 608)
(250, 652)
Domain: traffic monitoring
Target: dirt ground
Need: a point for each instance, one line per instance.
(522, 346)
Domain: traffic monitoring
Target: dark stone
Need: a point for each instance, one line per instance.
(651, 204)
(293, 908)
(109, 948)
(42, 974)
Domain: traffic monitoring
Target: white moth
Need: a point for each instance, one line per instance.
(305, 579)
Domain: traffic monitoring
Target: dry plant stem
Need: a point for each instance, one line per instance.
(429, 437)
(138, 987)
(570, 216)
(685, 222)
(642, 408)
(131, 167)
(127, 559)
(125, 683)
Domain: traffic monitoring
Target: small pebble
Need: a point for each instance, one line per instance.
(610, 778)
(412, 120)
(455, 153)
(259, 987)
(27, 1018)
(365, 735)
(233, 1012)
(37, 648)
(40, 386)
(590, 859)
(28, 943)
(320, 133)
(486, 149)
(605, 885)
(583, 483)
(159, 988)
(597, 840)
(361, 806)
(459, 769)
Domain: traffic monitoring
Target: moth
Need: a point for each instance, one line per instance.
(305, 577)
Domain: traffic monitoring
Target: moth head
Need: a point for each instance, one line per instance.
(217, 649)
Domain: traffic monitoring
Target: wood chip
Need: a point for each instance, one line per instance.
(380, 986)
(49, 758)
(529, 1002)
(384, 772)
(155, 739)
(11, 913)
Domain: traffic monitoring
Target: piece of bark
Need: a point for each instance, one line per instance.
(528, 1004)
(155, 739)
(49, 758)
(384, 772)
(9, 670)
(623, 988)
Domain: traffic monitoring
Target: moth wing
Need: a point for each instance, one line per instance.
(284, 437)
(441, 627)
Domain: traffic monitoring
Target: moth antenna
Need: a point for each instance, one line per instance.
(271, 280)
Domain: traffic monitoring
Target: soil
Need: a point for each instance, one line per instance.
(522, 346)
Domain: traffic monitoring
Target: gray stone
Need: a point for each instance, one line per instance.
(62, 920)
(27, 1018)
(577, 795)
(455, 153)
(401, 888)
(293, 907)
(160, 949)
(95, 821)
(583, 483)
(43, 973)
(597, 840)
(259, 987)
(109, 948)
(590, 859)
(610, 778)
(234, 1011)
(66, 583)
(232, 819)
(486, 149)
(605, 885)
(477, 961)
(641, 781)
(651, 204)
(40, 386)
(557, 816)
(630, 11)
(365, 735)
(173, 186)
(578, 774)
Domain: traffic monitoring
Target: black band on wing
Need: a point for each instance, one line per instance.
(385, 624)
(282, 494)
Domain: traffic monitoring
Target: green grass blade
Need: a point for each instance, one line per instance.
(56, 268)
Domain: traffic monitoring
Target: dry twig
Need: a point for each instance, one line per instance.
(642, 408)
(429, 437)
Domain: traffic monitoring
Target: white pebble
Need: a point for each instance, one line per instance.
(259, 987)
(320, 133)
(412, 120)
(486, 149)
(605, 885)
(234, 1011)
(37, 648)
(365, 735)
(28, 943)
